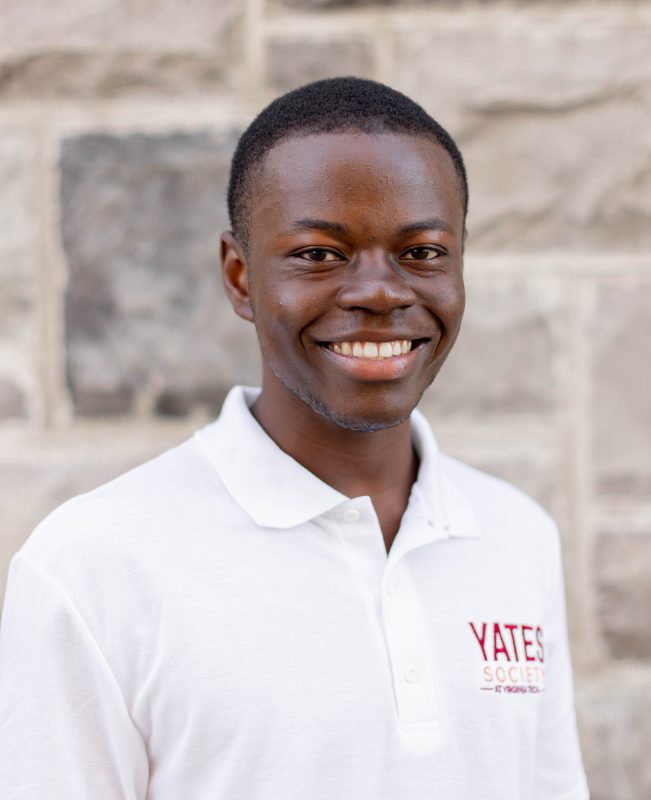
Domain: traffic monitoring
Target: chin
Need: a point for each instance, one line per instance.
(383, 416)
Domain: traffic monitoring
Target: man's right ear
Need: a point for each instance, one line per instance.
(235, 275)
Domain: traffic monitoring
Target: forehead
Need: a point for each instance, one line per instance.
(354, 175)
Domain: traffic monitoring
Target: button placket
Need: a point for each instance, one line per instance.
(410, 651)
(365, 551)
(412, 674)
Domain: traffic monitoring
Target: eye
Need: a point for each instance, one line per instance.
(421, 254)
(319, 255)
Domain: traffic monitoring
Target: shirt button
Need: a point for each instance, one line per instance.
(388, 589)
(411, 674)
(351, 515)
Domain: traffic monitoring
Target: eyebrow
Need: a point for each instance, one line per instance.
(307, 224)
(432, 224)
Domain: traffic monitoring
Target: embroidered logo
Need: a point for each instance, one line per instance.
(513, 657)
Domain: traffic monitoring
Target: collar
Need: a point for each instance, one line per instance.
(277, 492)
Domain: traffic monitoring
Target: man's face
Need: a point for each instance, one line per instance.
(355, 272)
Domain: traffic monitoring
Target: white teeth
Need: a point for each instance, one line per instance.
(373, 350)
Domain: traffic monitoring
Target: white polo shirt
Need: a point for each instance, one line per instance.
(219, 624)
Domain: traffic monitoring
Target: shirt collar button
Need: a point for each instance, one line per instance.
(351, 515)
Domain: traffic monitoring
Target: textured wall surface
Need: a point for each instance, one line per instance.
(117, 121)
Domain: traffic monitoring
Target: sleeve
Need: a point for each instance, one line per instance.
(558, 772)
(65, 731)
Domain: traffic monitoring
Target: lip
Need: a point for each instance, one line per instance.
(368, 369)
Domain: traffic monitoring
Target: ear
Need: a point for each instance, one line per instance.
(235, 275)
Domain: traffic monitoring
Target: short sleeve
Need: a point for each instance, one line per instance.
(559, 773)
(65, 731)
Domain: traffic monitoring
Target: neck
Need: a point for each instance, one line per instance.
(379, 464)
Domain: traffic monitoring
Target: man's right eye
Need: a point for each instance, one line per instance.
(318, 254)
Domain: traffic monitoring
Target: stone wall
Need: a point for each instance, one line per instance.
(117, 120)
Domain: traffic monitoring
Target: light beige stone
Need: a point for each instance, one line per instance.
(109, 48)
(504, 361)
(335, 5)
(621, 355)
(33, 25)
(538, 479)
(537, 63)
(38, 26)
(551, 116)
(291, 62)
(623, 578)
(38, 472)
(113, 75)
(614, 714)
(18, 287)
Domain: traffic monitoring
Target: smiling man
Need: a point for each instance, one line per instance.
(305, 600)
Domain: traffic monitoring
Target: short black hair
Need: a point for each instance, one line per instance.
(328, 106)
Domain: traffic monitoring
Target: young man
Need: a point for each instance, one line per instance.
(305, 600)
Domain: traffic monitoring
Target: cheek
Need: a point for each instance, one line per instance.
(456, 292)
(291, 303)
(279, 314)
(269, 301)
(447, 301)
(458, 301)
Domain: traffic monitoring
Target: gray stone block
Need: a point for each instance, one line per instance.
(504, 359)
(614, 714)
(621, 337)
(622, 567)
(13, 402)
(292, 62)
(147, 322)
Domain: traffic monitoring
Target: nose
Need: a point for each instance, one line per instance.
(374, 283)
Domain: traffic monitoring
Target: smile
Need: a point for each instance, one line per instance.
(371, 350)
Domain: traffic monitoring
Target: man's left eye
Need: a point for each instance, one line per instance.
(318, 254)
(421, 254)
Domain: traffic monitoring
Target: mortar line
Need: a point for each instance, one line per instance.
(55, 274)
(255, 45)
(45, 289)
(580, 421)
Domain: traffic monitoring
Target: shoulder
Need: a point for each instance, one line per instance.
(138, 512)
(493, 494)
(503, 511)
